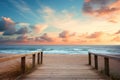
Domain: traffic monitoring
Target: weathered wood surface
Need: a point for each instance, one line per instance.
(115, 57)
(64, 67)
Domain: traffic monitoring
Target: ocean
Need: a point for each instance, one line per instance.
(60, 49)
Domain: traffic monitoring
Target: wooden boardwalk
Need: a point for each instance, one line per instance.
(64, 67)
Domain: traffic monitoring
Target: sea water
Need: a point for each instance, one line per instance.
(60, 49)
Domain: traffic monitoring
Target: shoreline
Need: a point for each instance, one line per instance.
(9, 54)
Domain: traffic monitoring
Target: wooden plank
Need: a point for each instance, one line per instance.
(33, 60)
(67, 70)
(106, 55)
(41, 57)
(23, 65)
(13, 57)
(89, 60)
(71, 78)
(38, 58)
(66, 77)
(106, 66)
(96, 61)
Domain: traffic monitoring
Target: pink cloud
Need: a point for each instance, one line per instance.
(96, 35)
(118, 32)
(8, 21)
(65, 35)
(87, 0)
(38, 28)
(117, 39)
(107, 9)
(44, 38)
(7, 26)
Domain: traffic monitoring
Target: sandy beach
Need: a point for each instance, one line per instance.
(63, 58)
(68, 59)
(5, 55)
(11, 66)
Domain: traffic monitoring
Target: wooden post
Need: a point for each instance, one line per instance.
(33, 60)
(106, 66)
(23, 64)
(41, 57)
(38, 58)
(96, 61)
(89, 60)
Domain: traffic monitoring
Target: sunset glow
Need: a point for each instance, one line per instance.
(77, 22)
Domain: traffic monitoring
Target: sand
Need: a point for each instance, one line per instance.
(65, 58)
(12, 68)
(5, 55)
(68, 59)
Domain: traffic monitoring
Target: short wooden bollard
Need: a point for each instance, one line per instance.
(106, 66)
(41, 57)
(23, 64)
(96, 61)
(38, 58)
(33, 60)
(89, 60)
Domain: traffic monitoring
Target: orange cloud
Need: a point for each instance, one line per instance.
(65, 20)
(87, 0)
(116, 39)
(96, 35)
(66, 37)
(107, 9)
(45, 38)
(118, 32)
(38, 28)
(8, 21)
(7, 26)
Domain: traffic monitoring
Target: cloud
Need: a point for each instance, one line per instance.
(65, 37)
(118, 32)
(108, 9)
(117, 39)
(101, 36)
(66, 34)
(7, 26)
(22, 38)
(23, 30)
(65, 20)
(44, 38)
(96, 35)
(38, 28)
(87, 0)
(23, 24)
(48, 10)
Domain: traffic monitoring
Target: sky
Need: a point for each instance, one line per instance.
(60, 22)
